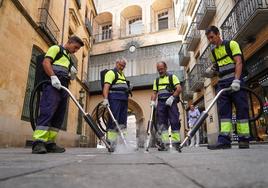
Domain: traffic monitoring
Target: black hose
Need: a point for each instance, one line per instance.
(36, 90)
(34, 112)
(98, 116)
(259, 100)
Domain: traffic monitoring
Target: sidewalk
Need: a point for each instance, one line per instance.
(96, 168)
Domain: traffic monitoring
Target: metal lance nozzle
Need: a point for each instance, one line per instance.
(149, 127)
(89, 120)
(117, 126)
(202, 118)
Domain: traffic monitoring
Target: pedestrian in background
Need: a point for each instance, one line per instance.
(193, 115)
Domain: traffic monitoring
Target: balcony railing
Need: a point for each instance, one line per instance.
(193, 37)
(89, 26)
(195, 77)
(184, 55)
(139, 61)
(103, 36)
(187, 94)
(246, 19)
(48, 26)
(205, 60)
(205, 13)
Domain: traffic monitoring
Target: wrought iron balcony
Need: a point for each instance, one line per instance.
(205, 60)
(89, 26)
(205, 13)
(187, 94)
(245, 20)
(184, 55)
(193, 37)
(48, 26)
(195, 77)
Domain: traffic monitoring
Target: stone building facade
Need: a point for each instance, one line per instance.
(27, 29)
(243, 21)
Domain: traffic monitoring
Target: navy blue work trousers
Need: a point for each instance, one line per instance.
(52, 106)
(225, 101)
(119, 109)
(167, 114)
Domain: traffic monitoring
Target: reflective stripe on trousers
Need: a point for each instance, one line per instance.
(240, 101)
(45, 135)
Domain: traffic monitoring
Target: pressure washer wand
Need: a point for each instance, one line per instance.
(202, 118)
(117, 126)
(149, 128)
(89, 120)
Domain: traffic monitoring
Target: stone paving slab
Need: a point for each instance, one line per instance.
(88, 167)
(223, 168)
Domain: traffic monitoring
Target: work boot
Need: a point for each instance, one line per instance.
(39, 148)
(243, 144)
(177, 146)
(219, 146)
(162, 147)
(53, 148)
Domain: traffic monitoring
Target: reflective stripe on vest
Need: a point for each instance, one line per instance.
(121, 83)
(60, 68)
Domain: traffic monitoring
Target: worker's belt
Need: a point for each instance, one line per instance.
(122, 86)
(114, 91)
(223, 72)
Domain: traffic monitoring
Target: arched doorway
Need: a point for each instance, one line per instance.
(136, 131)
(136, 111)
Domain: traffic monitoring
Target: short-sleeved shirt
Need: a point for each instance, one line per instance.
(162, 87)
(226, 63)
(63, 61)
(220, 53)
(119, 90)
